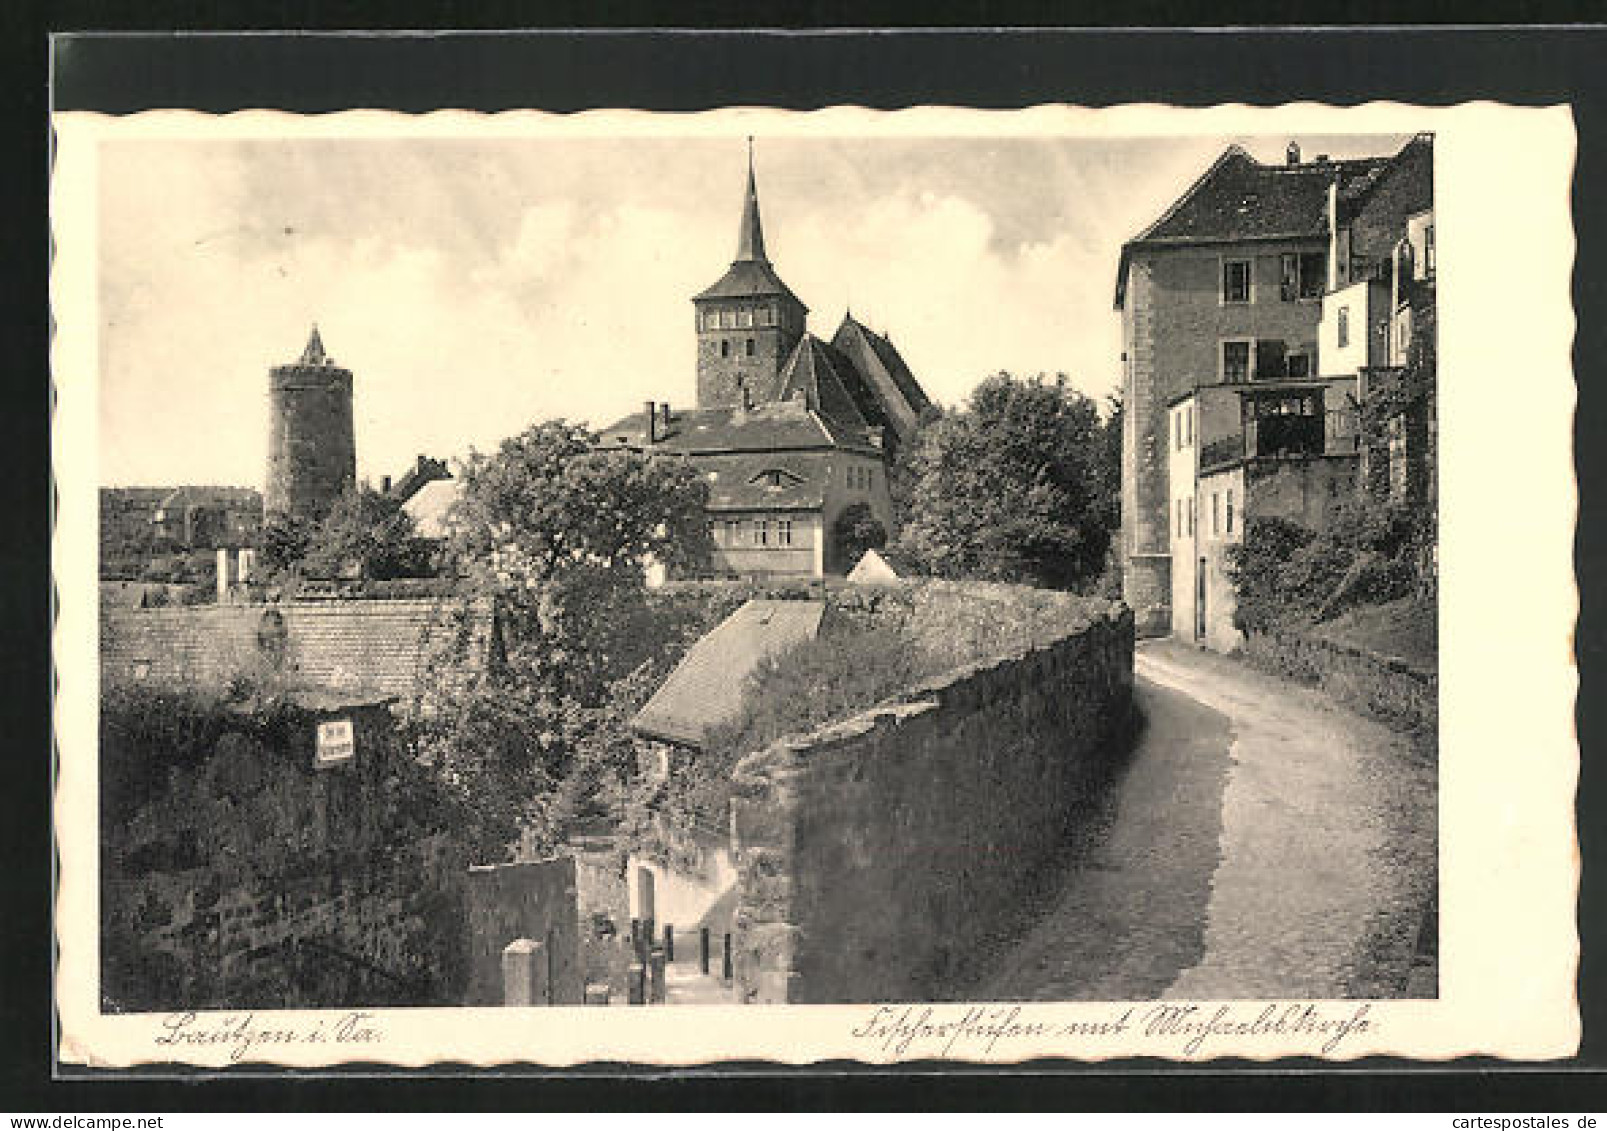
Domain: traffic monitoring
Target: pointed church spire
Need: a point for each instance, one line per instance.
(750, 240)
(314, 353)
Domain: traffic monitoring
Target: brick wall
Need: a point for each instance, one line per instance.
(873, 855)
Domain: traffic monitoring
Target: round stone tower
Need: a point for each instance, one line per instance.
(312, 452)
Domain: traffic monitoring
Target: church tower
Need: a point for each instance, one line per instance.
(748, 323)
(312, 450)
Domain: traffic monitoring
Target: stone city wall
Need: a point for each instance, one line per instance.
(874, 855)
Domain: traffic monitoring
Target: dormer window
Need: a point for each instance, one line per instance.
(776, 478)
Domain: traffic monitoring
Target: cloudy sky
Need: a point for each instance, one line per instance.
(476, 286)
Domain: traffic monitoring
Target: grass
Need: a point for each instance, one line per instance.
(1406, 628)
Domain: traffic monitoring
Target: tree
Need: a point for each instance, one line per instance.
(285, 541)
(856, 530)
(367, 534)
(1014, 487)
(556, 533)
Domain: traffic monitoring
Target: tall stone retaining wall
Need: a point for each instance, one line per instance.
(874, 855)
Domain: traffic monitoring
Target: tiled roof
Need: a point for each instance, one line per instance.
(883, 370)
(825, 380)
(1239, 198)
(707, 687)
(781, 426)
(747, 278)
(767, 481)
(359, 647)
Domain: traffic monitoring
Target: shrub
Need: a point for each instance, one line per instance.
(1255, 567)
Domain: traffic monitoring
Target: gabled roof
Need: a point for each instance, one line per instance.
(823, 379)
(1239, 199)
(779, 426)
(707, 688)
(361, 647)
(881, 367)
(430, 505)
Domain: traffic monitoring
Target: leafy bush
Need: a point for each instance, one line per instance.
(1255, 567)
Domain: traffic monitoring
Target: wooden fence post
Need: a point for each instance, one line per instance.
(635, 989)
(669, 942)
(703, 950)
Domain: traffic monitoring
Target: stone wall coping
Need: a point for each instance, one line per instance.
(1393, 663)
(786, 757)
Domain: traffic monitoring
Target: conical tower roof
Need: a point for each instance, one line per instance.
(750, 274)
(750, 237)
(314, 353)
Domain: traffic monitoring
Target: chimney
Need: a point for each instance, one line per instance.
(650, 414)
(385, 484)
(1322, 159)
(666, 422)
(1292, 154)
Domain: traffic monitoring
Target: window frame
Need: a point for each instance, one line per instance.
(1227, 262)
(1222, 360)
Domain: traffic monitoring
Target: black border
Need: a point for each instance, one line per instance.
(677, 70)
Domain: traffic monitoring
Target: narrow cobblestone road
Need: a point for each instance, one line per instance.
(1259, 843)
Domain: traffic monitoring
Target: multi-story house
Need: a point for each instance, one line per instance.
(1249, 311)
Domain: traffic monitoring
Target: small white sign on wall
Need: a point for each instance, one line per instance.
(337, 743)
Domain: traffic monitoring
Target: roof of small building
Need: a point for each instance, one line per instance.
(1238, 199)
(707, 687)
(373, 648)
(880, 567)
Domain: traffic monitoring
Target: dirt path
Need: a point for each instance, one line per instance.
(1260, 843)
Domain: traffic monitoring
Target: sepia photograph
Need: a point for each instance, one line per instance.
(988, 578)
